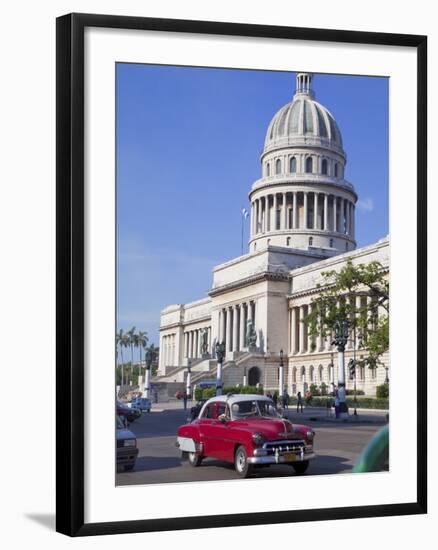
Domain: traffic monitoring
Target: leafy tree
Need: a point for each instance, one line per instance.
(337, 302)
(142, 341)
(132, 341)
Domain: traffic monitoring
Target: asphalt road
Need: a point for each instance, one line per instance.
(337, 447)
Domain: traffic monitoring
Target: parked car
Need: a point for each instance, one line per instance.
(196, 409)
(127, 450)
(130, 414)
(141, 403)
(248, 431)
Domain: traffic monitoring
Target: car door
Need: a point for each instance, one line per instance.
(221, 441)
(205, 423)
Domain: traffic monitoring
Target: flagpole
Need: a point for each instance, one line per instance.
(241, 246)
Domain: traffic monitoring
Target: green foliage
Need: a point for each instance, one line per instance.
(351, 392)
(382, 391)
(198, 394)
(362, 402)
(324, 388)
(211, 392)
(314, 390)
(337, 302)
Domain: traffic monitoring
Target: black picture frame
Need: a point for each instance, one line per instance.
(70, 272)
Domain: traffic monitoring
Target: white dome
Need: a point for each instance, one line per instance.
(303, 121)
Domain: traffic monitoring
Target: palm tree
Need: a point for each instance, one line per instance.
(142, 341)
(121, 343)
(132, 341)
(152, 351)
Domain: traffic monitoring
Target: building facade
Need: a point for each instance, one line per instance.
(302, 224)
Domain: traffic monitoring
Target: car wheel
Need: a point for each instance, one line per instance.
(194, 460)
(241, 464)
(300, 467)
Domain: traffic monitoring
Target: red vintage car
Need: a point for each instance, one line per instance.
(248, 431)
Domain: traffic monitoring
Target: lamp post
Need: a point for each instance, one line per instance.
(189, 379)
(147, 382)
(220, 354)
(281, 375)
(341, 337)
(332, 374)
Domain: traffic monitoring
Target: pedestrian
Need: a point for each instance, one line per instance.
(275, 399)
(185, 400)
(285, 399)
(337, 407)
(299, 402)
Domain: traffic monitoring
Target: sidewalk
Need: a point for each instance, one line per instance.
(310, 414)
(319, 414)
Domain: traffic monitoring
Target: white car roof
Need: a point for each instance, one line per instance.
(236, 398)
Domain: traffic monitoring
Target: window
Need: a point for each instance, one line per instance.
(309, 165)
(324, 166)
(293, 165)
(331, 243)
(278, 166)
(288, 241)
(310, 241)
(268, 169)
(209, 411)
(336, 169)
(346, 246)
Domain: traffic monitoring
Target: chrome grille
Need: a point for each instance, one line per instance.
(284, 446)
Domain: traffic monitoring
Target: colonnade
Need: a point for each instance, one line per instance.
(193, 342)
(301, 342)
(168, 350)
(232, 325)
(302, 210)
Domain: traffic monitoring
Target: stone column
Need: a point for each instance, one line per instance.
(302, 331)
(268, 214)
(229, 330)
(294, 210)
(315, 210)
(305, 210)
(236, 329)
(224, 325)
(242, 327)
(309, 337)
(353, 221)
(335, 213)
(283, 210)
(347, 217)
(294, 320)
(320, 341)
(326, 212)
(275, 211)
(196, 345)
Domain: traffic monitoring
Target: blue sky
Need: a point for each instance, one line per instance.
(188, 150)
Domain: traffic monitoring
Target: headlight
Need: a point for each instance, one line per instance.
(258, 439)
(130, 443)
(310, 434)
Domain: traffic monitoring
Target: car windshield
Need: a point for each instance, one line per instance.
(244, 409)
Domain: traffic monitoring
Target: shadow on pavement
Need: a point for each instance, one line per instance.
(150, 463)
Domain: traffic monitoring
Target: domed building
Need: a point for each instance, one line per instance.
(302, 224)
(302, 199)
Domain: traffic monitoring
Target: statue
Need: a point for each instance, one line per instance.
(251, 335)
(204, 342)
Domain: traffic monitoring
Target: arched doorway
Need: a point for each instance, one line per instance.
(254, 375)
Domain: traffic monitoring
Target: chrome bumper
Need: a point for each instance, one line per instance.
(281, 459)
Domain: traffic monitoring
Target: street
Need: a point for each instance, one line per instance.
(337, 447)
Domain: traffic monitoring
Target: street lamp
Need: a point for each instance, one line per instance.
(147, 382)
(332, 373)
(189, 379)
(281, 375)
(341, 337)
(220, 354)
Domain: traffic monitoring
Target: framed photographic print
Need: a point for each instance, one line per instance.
(241, 274)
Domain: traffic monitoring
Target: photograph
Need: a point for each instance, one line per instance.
(252, 274)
